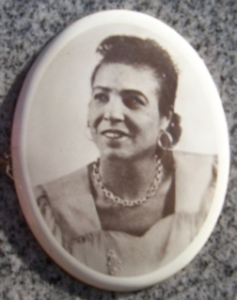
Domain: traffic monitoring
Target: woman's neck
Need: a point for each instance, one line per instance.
(128, 179)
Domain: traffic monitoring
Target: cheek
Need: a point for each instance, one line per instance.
(90, 121)
(149, 130)
(150, 120)
(151, 127)
(92, 115)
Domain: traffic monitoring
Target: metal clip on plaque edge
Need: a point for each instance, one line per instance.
(6, 164)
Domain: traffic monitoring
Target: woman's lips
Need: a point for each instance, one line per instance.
(114, 134)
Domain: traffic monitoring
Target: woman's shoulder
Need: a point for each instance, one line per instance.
(69, 180)
(188, 158)
(70, 199)
(195, 166)
(195, 178)
(77, 181)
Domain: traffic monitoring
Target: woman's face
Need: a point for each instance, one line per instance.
(123, 112)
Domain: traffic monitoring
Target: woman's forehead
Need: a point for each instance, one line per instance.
(126, 76)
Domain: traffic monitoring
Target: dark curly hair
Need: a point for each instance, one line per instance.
(135, 51)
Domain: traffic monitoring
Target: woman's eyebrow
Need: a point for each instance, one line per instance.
(104, 89)
(134, 92)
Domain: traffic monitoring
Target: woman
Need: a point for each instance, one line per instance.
(126, 214)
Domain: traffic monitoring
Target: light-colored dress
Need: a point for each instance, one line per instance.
(68, 207)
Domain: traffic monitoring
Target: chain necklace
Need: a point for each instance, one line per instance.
(108, 194)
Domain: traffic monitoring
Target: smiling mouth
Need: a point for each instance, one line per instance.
(113, 134)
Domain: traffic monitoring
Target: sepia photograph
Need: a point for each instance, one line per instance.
(122, 150)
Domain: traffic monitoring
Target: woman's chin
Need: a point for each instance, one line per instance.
(115, 154)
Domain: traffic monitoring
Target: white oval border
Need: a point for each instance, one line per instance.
(21, 176)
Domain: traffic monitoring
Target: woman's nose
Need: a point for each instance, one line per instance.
(114, 109)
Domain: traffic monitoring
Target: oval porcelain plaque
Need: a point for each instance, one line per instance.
(120, 151)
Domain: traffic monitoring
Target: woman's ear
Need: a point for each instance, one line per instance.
(165, 139)
(165, 121)
(88, 131)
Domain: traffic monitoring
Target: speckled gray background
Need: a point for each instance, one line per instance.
(26, 272)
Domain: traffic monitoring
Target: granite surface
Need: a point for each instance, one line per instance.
(26, 272)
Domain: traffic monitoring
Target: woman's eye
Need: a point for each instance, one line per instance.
(133, 102)
(101, 97)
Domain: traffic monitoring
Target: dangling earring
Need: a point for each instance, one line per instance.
(165, 140)
(88, 132)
